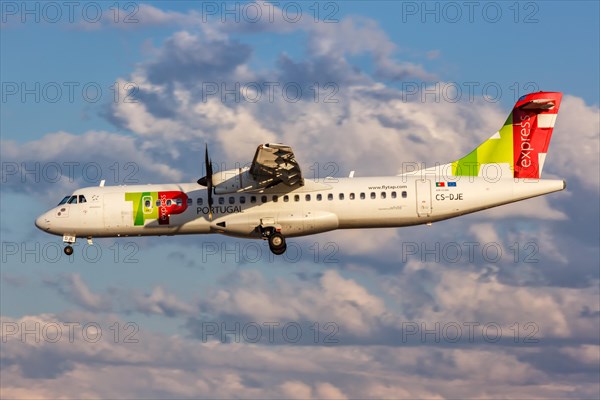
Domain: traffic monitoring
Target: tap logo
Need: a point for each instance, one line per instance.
(156, 205)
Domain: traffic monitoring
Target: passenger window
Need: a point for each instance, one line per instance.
(157, 203)
(404, 195)
(221, 200)
(383, 194)
(263, 199)
(82, 199)
(341, 196)
(362, 196)
(252, 199)
(147, 203)
(199, 201)
(351, 196)
(231, 200)
(330, 196)
(319, 197)
(393, 195)
(275, 198)
(189, 201)
(169, 202)
(243, 200)
(373, 195)
(307, 197)
(286, 198)
(297, 197)
(73, 200)
(179, 202)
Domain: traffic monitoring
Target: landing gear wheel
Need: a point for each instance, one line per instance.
(68, 250)
(277, 243)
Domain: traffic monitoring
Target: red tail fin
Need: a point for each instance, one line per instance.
(534, 116)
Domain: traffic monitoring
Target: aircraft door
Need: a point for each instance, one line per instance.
(115, 216)
(91, 207)
(423, 190)
(83, 210)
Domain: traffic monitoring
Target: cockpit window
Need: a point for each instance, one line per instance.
(63, 201)
(73, 200)
(82, 199)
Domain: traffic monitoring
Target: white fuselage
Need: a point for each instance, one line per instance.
(373, 202)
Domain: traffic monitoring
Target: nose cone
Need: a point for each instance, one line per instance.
(43, 222)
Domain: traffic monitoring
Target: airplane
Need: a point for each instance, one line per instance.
(271, 200)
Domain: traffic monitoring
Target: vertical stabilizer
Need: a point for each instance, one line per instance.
(519, 148)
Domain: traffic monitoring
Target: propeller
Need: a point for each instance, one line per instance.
(208, 182)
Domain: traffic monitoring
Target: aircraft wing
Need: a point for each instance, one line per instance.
(275, 163)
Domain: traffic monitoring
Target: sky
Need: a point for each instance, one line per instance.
(501, 303)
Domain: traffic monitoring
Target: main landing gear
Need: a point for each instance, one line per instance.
(277, 243)
(276, 240)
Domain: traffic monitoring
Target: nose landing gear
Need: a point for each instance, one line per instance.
(69, 240)
(68, 250)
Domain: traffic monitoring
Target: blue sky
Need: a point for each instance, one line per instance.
(367, 283)
(505, 52)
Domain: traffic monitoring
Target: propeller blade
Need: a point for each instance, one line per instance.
(208, 182)
(204, 181)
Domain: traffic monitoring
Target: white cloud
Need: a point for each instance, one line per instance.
(139, 16)
(169, 366)
(66, 161)
(75, 289)
(461, 296)
(587, 353)
(575, 142)
(354, 36)
(371, 129)
(162, 303)
(334, 298)
(535, 208)
(296, 390)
